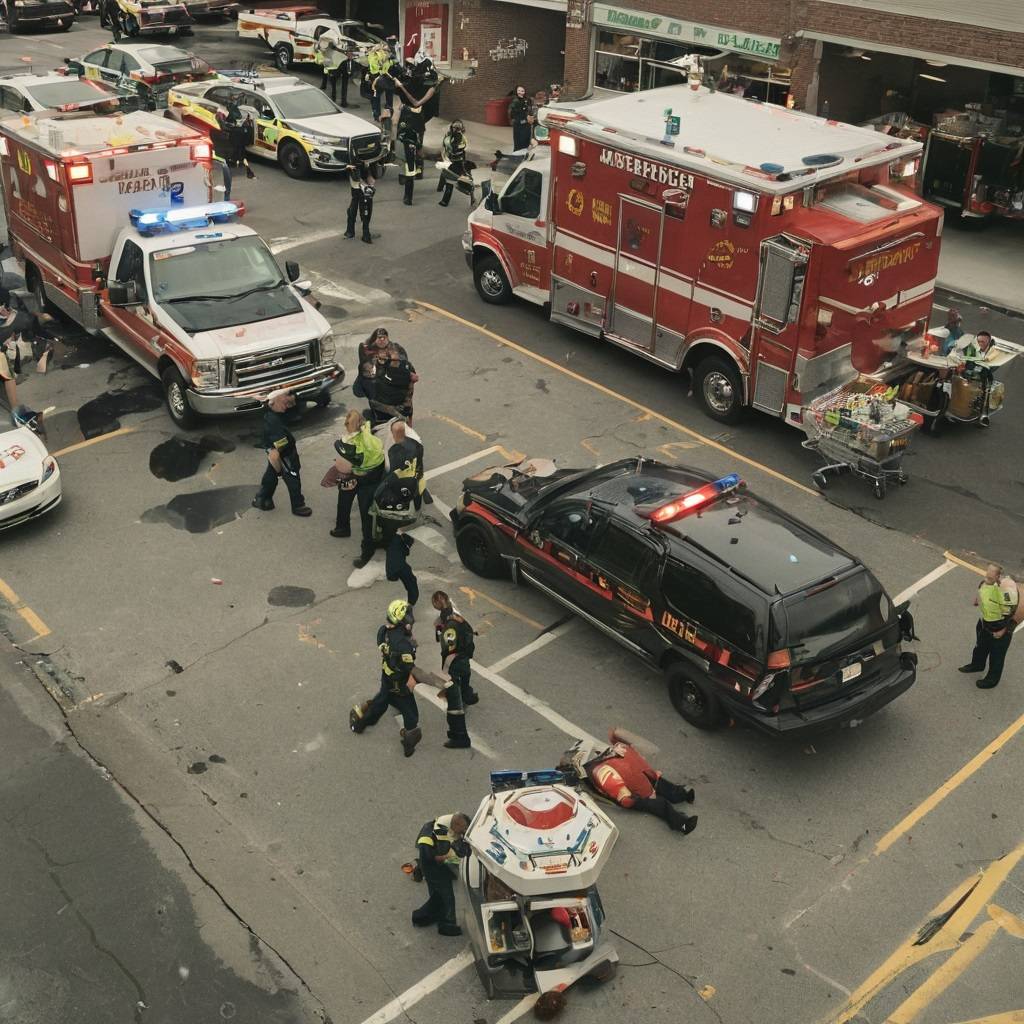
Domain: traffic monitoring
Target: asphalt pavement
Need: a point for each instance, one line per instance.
(206, 654)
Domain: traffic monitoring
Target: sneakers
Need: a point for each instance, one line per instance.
(471, 698)
(303, 511)
(408, 202)
(250, 173)
(449, 929)
(444, 202)
(689, 796)
(263, 504)
(367, 239)
(350, 234)
(986, 683)
(342, 532)
(458, 744)
(689, 824)
(970, 668)
(410, 737)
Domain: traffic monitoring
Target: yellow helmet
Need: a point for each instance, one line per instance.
(397, 611)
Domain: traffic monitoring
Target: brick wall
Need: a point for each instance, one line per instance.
(478, 26)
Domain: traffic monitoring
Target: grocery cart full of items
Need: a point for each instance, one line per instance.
(862, 429)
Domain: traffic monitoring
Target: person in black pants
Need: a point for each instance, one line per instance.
(397, 567)
(282, 456)
(362, 181)
(522, 113)
(441, 843)
(365, 454)
(348, 69)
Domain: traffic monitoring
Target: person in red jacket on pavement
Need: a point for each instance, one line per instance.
(621, 773)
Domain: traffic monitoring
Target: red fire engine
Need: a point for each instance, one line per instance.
(762, 250)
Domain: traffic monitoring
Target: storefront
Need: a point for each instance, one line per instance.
(634, 50)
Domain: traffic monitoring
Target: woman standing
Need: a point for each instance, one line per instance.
(522, 113)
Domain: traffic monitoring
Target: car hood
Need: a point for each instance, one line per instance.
(282, 331)
(21, 457)
(508, 489)
(338, 126)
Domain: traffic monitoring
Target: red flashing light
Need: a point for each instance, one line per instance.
(779, 659)
(80, 174)
(51, 169)
(678, 507)
(201, 151)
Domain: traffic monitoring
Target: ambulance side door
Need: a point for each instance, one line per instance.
(521, 221)
(133, 324)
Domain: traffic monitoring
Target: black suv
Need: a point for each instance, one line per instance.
(753, 615)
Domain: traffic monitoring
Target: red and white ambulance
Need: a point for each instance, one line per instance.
(764, 251)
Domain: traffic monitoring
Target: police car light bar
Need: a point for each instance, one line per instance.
(692, 500)
(180, 218)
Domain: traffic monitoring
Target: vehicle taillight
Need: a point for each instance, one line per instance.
(51, 169)
(80, 174)
(695, 499)
(779, 659)
(201, 151)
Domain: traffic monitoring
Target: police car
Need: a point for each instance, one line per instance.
(294, 122)
(752, 615)
(25, 92)
(147, 69)
(29, 478)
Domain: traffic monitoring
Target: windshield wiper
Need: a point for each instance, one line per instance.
(258, 288)
(193, 298)
(236, 295)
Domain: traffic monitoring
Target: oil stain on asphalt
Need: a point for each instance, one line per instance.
(202, 511)
(100, 415)
(179, 457)
(291, 597)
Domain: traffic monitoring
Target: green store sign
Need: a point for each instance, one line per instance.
(686, 31)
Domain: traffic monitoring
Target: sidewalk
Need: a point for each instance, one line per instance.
(984, 262)
(484, 139)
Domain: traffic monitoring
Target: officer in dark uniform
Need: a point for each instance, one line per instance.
(362, 183)
(282, 456)
(398, 659)
(348, 69)
(393, 386)
(456, 637)
(439, 846)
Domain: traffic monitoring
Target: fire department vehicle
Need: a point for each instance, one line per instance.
(154, 17)
(764, 251)
(111, 217)
(292, 33)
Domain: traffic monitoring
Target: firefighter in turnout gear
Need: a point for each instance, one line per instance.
(453, 148)
(439, 846)
(398, 659)
(411, 127)
(456, 637)
(362, 183)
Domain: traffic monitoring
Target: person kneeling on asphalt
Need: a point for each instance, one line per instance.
(621, 773)
(439, 846)
(282, 456)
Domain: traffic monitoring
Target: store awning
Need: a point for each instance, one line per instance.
(547, 5)
(909, 51)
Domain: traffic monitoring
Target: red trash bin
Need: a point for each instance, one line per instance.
(496, 112)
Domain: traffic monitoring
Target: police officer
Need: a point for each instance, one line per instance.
(996, 599)
(398, 659)
(329, 55)
(394, 383)
(456, 637)
(282, 456)
(453, 146)
(379, 63)
(365, 454)
(405, 448)
(347, 70)
(439, 846)
(362, 183)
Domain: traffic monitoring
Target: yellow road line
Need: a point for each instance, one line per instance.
(1009, 1017)
(9, 595)
(511, 455)
(967, 565)
(953, 782)
(458, 426)
(980, 887)
(36, 623)
(94, 440)
(472, 594)
(649, 413)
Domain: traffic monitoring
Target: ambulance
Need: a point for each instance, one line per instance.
(111, 217)
(768, 254)
(292, 34)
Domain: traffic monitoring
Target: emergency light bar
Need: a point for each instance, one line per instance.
(693, 500)
(512, 779)
(182, 218)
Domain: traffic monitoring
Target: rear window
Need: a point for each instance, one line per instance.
(697, 597)
(74, 90)
(826, 622)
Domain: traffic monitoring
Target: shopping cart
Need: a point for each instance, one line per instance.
(856, 429)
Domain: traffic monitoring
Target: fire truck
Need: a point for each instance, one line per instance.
(112, 219)
(763, 251)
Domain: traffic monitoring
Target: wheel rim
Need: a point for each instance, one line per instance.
(176, 400)
(477, 551)
(491, 282)
(719, 393)
(691, 698)
(291, 159)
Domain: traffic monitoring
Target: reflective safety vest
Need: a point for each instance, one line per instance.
(996, 600)
(379, 62)
(437, 836)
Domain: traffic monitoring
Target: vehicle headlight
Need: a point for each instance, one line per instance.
(467, 240)
(206, 373)
(49, 468)
(319, 140)
(327, 350)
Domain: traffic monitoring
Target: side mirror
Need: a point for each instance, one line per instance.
(304, 286)
(291, 268)
(123, 293)
(491, 202)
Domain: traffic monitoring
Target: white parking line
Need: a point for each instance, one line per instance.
(449, 467)
(542, 708)
(519, 1010)
(411, 996)
(284, 244)
(428, 694)
(535, 645)
(915, 588)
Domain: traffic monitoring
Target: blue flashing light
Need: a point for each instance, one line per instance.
(149, 222)
(727, 483)
(693, 501)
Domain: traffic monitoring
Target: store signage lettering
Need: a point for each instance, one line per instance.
(871, 266)
(687, 31)
(659, 173)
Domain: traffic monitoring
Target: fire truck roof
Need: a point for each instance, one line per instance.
(758, 145)
(81, 132)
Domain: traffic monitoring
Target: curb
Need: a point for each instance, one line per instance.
(992, 304)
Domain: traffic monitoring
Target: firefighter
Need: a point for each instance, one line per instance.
(362, 183)
(622, 773)
(394, 383)
(439, 846)
(398, 659)
(392, 506)
(365, 456)
(453, 147)
(456, 637)
(411, 127)
(379, 63)
(282, 456)
(397, 567)
(997, 598)
(405, 448)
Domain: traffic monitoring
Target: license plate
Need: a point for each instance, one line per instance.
(851, 672)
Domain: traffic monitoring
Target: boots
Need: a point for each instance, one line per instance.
(366, 233)
(350, 227)
(673, 793)
(357, 717)
(410, 737)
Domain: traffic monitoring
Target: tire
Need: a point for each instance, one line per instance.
(719, 389)
(820, 481)
(490, 280)
(694, 698)
(176, 399)
(283, 56)
(292, 158)
(479, 554)
(879, 489)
